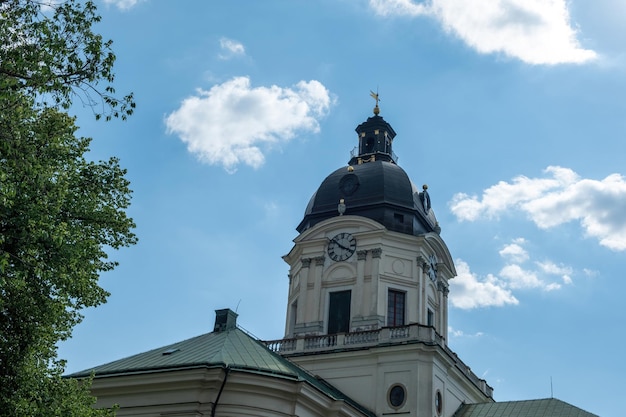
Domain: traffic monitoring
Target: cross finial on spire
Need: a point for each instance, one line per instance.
(375, 96)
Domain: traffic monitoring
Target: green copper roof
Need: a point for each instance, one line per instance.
(549, 407)
(232, 348)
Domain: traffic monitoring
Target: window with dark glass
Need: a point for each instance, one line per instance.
(339, 312)
(431, 318)
(369, 145)
(395, 308)
(397, 396)
(438, 403)
(294, 317)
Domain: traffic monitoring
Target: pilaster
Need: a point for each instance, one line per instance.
(375, 273)
(444, 290)
(302, 315)
(359, 288)
(308, 322)
(422, 301)
(317, 288)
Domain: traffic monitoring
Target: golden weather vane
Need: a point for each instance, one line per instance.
(375, 96)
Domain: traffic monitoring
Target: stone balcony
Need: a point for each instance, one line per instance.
(413, 333)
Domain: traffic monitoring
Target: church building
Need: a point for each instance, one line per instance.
(366, 324)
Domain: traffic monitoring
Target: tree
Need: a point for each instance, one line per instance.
(60, 214)
(49, 51)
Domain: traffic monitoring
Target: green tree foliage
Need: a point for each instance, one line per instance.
(48, 50)
(60, 213)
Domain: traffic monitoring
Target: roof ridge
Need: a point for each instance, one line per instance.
(519, 408)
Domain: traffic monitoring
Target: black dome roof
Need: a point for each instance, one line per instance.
(373, 186)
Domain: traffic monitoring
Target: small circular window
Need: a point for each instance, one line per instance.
(396, 396)
(438, 402)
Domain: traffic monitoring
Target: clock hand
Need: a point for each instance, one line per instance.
(339, 244)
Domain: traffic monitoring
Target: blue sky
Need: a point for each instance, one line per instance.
(512, 111)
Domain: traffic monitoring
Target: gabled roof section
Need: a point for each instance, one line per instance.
(549, 407)
(232, 348)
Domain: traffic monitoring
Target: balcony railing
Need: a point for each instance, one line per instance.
(304, 344)
(370, 338)
(355, 152)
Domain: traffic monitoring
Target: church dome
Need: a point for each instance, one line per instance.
(373, 186)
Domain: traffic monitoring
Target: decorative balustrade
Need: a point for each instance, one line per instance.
(369, 338)
(413, 332)
(366, 337)
(316, 342)
(399, 332)
(282, 345)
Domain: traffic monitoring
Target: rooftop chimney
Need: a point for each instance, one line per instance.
(225, 319)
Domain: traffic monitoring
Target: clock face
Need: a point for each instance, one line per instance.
(341, 247)
(432, 268)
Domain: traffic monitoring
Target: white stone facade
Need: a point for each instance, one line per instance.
(214, 392)
(372, 357)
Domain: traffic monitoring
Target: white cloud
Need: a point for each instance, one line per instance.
(231, 48)
(554, 269)
(551, 268)
(467, 291)
(517, 277)
(599, 206)
(123, 4)
(514, 252)
(591, 273)
(460, 333)
(233, 123)
(534, 31)
(552, 286)
(398, 8)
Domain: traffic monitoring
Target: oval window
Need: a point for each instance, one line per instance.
(438, 402)
(397, 396)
